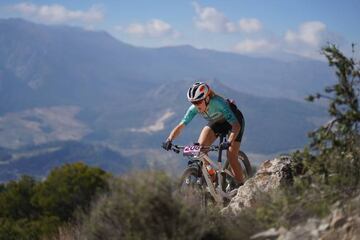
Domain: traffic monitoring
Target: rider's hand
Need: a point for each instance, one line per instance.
(225, 145)
(167, 145)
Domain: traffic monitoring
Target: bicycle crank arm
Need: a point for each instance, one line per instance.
(228, 195)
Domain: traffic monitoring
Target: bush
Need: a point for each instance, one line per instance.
(31, 209)
(69, 187)
(144, 206)
(15, 199)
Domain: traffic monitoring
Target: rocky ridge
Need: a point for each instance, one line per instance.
(342, 223)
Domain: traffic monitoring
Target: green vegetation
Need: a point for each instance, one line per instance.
(30, 209)
(328, 170)
(333, 157)
(145, 206)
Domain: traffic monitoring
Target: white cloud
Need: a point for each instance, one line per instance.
(231, 27)
(135, 28)
(211, 20)
(309, 33)
(153, 28)
(307, 40)
(254, 46)
(24, 8)
(250, 25)
(57, 13)
(157, 28)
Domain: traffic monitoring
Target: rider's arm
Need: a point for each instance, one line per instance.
(189, 115)
(176, 131)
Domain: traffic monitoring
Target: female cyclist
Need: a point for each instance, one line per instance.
(222, 116)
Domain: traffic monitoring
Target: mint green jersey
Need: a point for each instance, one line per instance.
(218, 110)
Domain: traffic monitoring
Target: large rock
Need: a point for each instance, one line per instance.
(343, 223)
(271, 174)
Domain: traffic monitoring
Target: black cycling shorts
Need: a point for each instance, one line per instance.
(225, 127)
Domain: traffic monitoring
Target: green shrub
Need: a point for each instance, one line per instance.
(69, 187)
(23, 229)
(144, 206)
(31, 209)
(15, 199)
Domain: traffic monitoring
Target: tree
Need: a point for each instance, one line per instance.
(334, 149)
(15, 199)
(70, 187)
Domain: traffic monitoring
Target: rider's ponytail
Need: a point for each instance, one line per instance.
(213, 94)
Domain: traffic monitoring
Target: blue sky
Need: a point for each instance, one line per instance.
(253, 27)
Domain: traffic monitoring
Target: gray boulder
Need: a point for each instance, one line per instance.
(271, 174)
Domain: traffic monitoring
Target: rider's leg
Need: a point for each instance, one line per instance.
(207, 136)
(232, 155)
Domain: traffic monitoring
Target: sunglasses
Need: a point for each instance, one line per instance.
(197, 102)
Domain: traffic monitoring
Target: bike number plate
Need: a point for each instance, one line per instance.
(192, 150)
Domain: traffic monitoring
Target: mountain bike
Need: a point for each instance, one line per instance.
(196, 180)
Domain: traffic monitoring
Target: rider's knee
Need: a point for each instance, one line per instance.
(233, 150)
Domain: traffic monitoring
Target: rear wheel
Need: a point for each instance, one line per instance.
(229, 183)
(245, 164)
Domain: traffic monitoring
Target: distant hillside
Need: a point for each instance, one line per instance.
(60, 83)
(44, 62)
(272, 125)
(39, 160)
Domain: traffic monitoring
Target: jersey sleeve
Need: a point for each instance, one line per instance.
(189, 115)
(226, 111)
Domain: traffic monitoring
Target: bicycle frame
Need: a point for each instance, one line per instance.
(216, 192)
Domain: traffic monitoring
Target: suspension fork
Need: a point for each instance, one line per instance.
(220, 149)
(221, 175)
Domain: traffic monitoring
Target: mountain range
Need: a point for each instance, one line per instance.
(61, 83)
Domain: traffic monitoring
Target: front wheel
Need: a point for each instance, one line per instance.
(192, 187)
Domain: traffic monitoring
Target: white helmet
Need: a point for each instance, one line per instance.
(198, 91)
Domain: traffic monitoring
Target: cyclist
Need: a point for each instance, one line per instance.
(223, 117)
